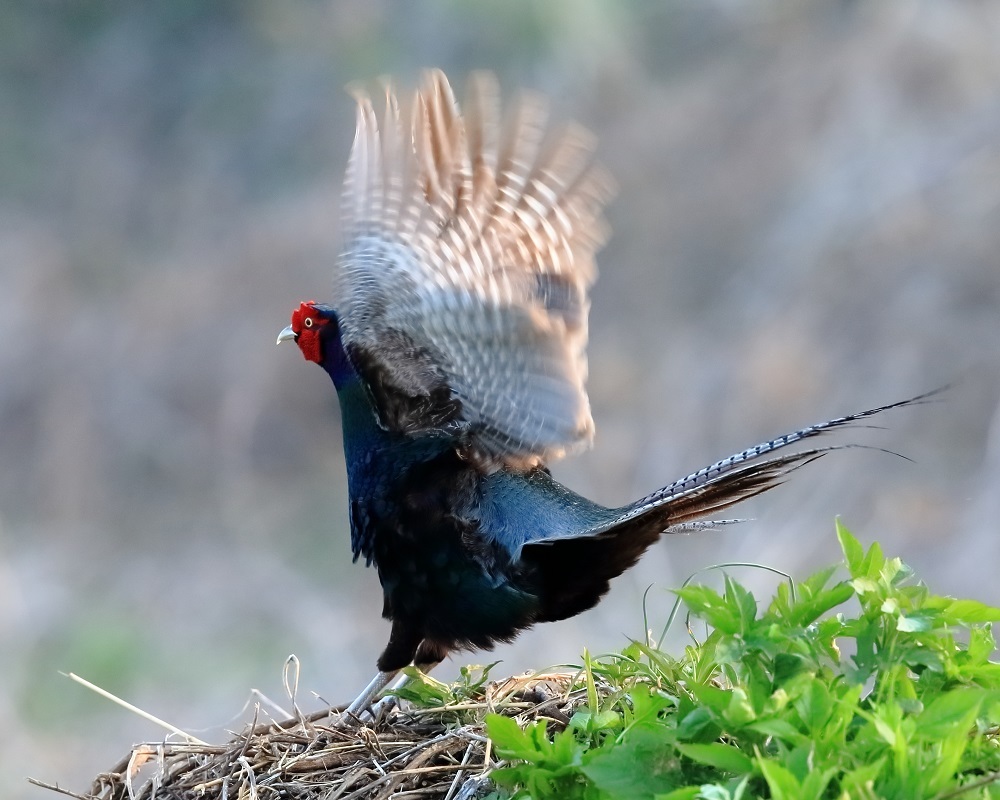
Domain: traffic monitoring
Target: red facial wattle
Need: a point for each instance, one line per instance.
(306, 323)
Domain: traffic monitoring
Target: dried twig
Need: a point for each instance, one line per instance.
(134, 709)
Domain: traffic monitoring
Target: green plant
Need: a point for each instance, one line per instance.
(770, 706)
(427, 692)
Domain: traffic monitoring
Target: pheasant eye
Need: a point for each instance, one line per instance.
(307, 322)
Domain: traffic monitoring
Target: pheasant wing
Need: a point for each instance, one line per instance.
(462, 290)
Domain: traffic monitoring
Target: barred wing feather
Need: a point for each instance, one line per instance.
(462, 290)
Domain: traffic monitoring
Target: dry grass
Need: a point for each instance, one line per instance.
(409, 752)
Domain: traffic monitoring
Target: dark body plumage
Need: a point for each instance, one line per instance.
(452, 543)
(456, 343)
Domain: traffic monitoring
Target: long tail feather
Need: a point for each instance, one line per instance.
(742, 475)
(576, 569)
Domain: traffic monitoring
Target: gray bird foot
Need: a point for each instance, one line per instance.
(365, 705)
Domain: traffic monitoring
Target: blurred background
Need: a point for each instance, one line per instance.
(807, 224)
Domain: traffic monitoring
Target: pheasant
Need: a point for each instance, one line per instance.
(456, 342)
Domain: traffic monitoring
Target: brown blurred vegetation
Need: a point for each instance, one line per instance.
(808, 223)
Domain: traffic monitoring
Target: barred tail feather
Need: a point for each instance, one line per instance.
(738, 477)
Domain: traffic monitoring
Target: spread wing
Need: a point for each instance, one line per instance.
(462, 288)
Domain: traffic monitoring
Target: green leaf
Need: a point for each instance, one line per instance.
(588, 722)
(864, 586)
(952, 712)
(740, 711)
(815, 705)
(948, 756)
(814, 583)
(718, 755)
(698, 724)
(423, 690)
(915, 623)
(472, 678)
(872, 563)
(853, 551)
(710, 606)
(778, 728)
(742, 603)
(859, 782)
(808, 611)
(685, 793)
(789, 670)
(647, 703)
(638, 767)
(509, 740)
(981, 644)
(967, 612)
(588, 672)
(894, 571)
(730, 649)
(712, 697)
(566, 750)
(815, 782)
(780, 781)
(886, 731)
(508, 776)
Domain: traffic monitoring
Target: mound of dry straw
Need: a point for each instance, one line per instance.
(409, 752)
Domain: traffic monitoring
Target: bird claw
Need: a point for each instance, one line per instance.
(374, 714)
(380, 711)
(365, 703)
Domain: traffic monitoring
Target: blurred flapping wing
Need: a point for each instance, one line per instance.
(462, 288)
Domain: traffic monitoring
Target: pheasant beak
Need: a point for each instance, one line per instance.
(286, 335)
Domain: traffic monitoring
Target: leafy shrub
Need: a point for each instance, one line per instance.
(770, 706)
